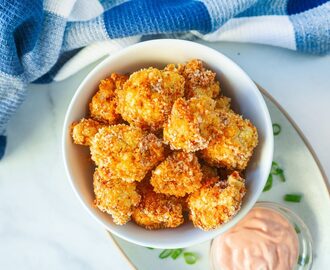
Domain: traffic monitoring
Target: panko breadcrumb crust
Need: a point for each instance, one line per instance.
(115, 197)
(104, 103)
(178, 175)
(181, 149)
(83, 131)
(156, 210)
(147, 97)
(233, 147)
(127, 151)
(216, 202)
(191, 124)
(198, 80)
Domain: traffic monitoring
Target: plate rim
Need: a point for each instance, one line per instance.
(301, 135)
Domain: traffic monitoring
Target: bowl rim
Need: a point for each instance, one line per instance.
(269, 142)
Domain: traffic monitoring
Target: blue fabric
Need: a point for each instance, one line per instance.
(37, 38)
(3, 141)
(295, 6)
(156, 17)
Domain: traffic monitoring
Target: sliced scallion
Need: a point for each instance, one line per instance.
(165, 253)
(190, 257)
(293, 198)
(276, 129)
(176, 253)
(303, 260)
(269, 183)
(296, 228)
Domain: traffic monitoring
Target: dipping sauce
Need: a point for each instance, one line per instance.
(263, 240)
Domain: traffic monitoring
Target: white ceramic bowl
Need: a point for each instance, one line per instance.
(246, 99)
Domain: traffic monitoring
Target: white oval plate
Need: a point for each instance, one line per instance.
(303, 175)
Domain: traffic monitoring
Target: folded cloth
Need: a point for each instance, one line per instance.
(41, 41)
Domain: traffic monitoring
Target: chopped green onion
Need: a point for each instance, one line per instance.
(150, 248)
(269, 183)
(276, 129)
(296, 228)
(190, 257)
(276, 170)
(281, 176)
(176, 253)
(303, 260)
(165, 253)
(292, 197)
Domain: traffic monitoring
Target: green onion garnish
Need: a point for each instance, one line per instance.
(292, 197)
(190, 257)
(296, 228)
(176, 253)
(276, 129)
(269, 183)
(276, 170)
(165, 253)
(150, 248)
(303, 260)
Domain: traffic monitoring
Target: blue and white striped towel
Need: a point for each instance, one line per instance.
(41, 41)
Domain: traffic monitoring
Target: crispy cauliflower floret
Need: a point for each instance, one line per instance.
(199, 81)
(233, 147)
(216, 202)
(83, 131)
(126, 151)
(119, 80)
(104, 102)
(115, 197)
(178, 175)
(222, 103)
(147, 97)
(157, 211)
(191, 124)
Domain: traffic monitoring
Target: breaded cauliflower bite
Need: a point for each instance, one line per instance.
(128, 152)
(157, 211)
(178, 175)
(115, 197)
(83, 131)
(233, 147)
(199, 80)
(216, 202)
(222, 103)
(191, 124)
(147, 97)
(104, 102)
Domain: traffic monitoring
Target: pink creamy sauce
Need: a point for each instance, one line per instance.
(263, 240)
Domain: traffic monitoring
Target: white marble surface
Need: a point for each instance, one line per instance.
(42, 224)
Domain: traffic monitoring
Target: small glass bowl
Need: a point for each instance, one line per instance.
(305, 258)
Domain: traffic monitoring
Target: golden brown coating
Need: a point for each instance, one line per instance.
(178, 175)
(233, 147)
(157, 211)
(208, 171)
(216, 202)
(104, 102)
(222, 103)
(83, 131)
(115, 197)
(126, 151)
(119, 80)
(191, 124)
(147, 97)
(198, 79)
